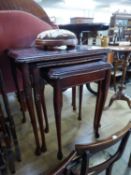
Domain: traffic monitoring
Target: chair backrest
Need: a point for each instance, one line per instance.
(19, 36)
(77, 163)
(18, 29)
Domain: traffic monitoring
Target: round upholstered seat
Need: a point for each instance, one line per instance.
(56, 37)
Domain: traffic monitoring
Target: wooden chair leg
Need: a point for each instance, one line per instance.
(88, 86)
(80, 101)
(109, 170)
(74, 98)
(114, 76)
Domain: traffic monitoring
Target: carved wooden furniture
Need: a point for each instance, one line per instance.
(31, 60)
(70, 76)
(122, 56)
(77, 163)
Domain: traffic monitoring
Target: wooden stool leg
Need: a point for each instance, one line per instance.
(80, 101)
(57, 109)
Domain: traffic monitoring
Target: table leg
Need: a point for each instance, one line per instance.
(57, 99)
(37, 97)
(120, 94)
(103, 87)
(42, 90)
(20, 94)
(29, 99)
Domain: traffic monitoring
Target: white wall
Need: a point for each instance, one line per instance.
(62, 10)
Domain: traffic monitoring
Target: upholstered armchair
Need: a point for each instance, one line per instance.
(18, 29)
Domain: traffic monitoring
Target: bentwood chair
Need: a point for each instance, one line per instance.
(78, 162)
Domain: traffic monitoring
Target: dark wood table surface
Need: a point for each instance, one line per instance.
(81, 27)
(33, 59)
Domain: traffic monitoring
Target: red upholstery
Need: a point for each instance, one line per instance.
(18, 29)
